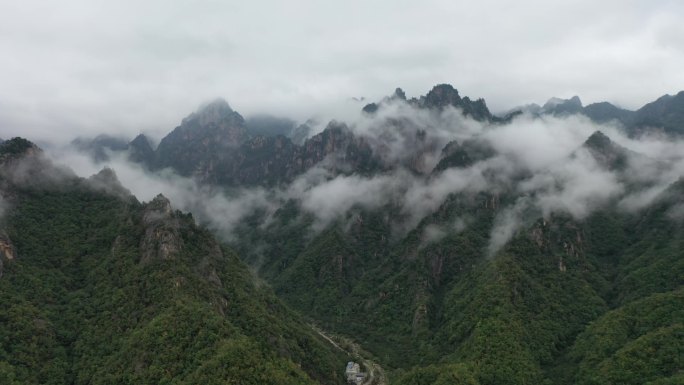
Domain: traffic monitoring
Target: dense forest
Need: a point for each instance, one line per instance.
(98, 288)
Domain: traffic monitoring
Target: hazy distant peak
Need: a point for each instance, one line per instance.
(598, 140)
(107, 181)
(552, 102)
(664, 98)
(602, 105)
(608, 154)
(442, 95)
(107, 174)
(603, 112)
(399, 94)
(141, 139)
(666, 101)
(140, 150)
(555, 102)
(574, 101)
(100, 147)
(211, 112)
(558, 106)
(217, 104)
(372, 108)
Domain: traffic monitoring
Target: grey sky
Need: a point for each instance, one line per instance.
(91, 66)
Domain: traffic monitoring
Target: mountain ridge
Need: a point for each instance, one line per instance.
(111, 290)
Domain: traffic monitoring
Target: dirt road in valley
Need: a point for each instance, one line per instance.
(376, 375)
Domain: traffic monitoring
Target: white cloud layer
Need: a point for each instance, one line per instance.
(84, 67)
(540, 161)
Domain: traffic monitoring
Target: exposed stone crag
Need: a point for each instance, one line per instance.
(162, 239)
(7, 250)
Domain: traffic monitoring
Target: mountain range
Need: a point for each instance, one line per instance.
(455, 246)
(665, 114)
(217, 145)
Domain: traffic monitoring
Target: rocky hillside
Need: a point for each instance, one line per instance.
(99, 288)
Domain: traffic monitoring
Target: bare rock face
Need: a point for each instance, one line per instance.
(162, 239)
(206, 265)
(205, 137)
(7, 250)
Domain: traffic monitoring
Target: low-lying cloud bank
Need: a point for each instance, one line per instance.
(541, 160)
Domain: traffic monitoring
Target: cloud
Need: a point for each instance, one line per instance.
(434, 233)
(576, 186)
(219, 209)
(540, 162)
(676, 212)
(411, 196)
(424, 196)
(142, 66)
(506, 223)
(332, 199)
(535, 143)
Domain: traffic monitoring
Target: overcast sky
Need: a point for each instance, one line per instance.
(91, 66)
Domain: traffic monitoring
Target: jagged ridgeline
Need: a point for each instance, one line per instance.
(98, 288)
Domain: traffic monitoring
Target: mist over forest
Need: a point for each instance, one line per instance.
(239, 193)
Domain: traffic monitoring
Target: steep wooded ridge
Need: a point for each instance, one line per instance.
(98, 288)
(417, 232)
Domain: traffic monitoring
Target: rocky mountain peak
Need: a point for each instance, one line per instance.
(162, 239)
(442, 95)
(607, 153)
(17, 148)
(213, 112)
(575, 101)
(160, 205)
(598, 140)
(558, 106)
(554, 102)
(438, 98)
(370, 108)
(141, 141)
(202, 139)
(399, 94)
(140, 150)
